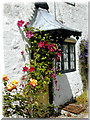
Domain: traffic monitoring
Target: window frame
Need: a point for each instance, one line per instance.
(69, 62)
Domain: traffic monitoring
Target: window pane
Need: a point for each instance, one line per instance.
(65, 57)
(71, 48)
(65, 65)
(65, 48)
(71, 57)
(72, 65)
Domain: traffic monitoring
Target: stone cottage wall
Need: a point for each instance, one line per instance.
(73, 17)
(13, 42)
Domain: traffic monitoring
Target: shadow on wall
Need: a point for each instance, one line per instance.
(27, 43)
(64, 94)
(22, 34)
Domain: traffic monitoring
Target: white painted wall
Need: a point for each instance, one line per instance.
(73, 17)
(70, 84)
(13, 42)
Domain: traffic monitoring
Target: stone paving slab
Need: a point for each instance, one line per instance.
(74, 108)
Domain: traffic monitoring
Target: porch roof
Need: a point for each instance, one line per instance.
(43, 20)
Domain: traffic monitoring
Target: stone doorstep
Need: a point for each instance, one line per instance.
(73, 109)
(65, 113)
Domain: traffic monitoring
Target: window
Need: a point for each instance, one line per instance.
(67, 61)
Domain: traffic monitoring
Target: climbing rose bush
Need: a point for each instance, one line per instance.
(5, 77)
(33, 82)
(20, 23)
(38, 74)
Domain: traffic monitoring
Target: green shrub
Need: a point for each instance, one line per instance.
(83, 98)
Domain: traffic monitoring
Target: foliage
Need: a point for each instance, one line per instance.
(83, 99)
(83, 58)
(38, 73)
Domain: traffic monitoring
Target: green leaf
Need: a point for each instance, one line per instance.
(47, 78)
(38, 78)
(29, 105)
(35, 41)
(31, 28)
(44, 82)
(38, 55)
(27, 64)
(26, 92)
(25, 49)
(60, 74)
(37, 29)
(54, 94)
(45, 92)
(47, 54)
(43, 58)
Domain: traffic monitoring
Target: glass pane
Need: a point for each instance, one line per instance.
(72, 65)
(65, 65)
(71, 57)
(71, 48)
(65, 48)
(65, 57)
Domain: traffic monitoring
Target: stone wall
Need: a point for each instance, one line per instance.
(76, 17)
(73, 17)
(13, 42)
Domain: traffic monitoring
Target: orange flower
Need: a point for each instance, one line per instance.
(10, 87)
(5, 77)
(33, 82)
(14, 82)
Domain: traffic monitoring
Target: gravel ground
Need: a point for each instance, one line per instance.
(78, 116)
